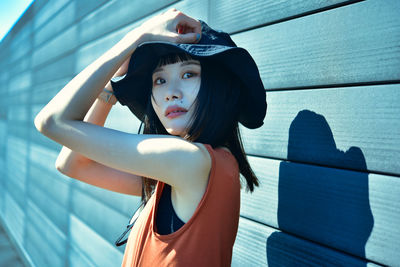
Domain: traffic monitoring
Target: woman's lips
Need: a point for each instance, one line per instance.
(175, 114)
(174, 111)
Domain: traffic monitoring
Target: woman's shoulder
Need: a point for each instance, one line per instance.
(208, 146)
(224, 148)
(220, 155)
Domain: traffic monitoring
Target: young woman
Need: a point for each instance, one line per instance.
(190, 85)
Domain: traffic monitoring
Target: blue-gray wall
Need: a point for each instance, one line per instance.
(327, 155)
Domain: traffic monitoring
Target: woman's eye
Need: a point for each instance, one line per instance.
(159, 81)
(188, 75)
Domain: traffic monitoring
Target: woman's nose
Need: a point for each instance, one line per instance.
(173, 92)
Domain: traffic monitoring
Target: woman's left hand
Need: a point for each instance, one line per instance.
(171, 26)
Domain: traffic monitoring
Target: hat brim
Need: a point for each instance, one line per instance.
(132, 90)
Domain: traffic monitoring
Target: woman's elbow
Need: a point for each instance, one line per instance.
(60, 168)
(62, 165)
(43, 124)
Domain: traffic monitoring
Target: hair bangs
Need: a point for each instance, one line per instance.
(173, 58)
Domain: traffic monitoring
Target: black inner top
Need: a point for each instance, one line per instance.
(167, 221)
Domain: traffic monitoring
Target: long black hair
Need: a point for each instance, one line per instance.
(215, 119)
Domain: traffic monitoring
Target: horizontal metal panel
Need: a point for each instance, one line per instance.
(53, 210)
(77, 259)
(14, 216)
(15, 191)
(89, 52)
(15, 98)
(20, 82)
(61, 68)
(43, 93)
(260, 245)
(352, 44)
(18, 113)
(351, 211)
(54, 186)
(44, 157)
(54, 25)
(61, 44)
(16, 170)
(18, 129)
(92, 245)
(98, 215)
(16, 68)
(19, 45)
(353, 127)
(47, 11)
(8, 255)
(44, 241)
(122, 203)
(237, 15)
(87, 7)
(115, 14)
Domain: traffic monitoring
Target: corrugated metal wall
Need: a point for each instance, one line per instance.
(327, 155)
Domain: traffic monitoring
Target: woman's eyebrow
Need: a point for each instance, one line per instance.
(189, 62)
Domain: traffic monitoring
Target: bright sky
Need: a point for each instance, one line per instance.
(10, 12)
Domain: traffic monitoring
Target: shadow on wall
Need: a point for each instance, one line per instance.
(326, 205)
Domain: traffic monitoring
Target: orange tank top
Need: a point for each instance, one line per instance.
(207, 238)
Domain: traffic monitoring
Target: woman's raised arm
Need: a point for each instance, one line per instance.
(62, 118)
(79, 167)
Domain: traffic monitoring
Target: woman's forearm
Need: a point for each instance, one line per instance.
(75, 99)
(69, 160)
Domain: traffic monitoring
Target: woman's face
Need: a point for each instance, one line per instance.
(175, 88)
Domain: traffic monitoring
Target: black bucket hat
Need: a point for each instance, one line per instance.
(133, 89)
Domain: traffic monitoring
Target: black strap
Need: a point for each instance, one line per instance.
(132, 221)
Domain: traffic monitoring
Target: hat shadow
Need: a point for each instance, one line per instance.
(311, 201)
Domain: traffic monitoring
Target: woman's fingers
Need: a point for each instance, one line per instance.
(172, 26)
(188, 37)
(189, 23)
(188, 29)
